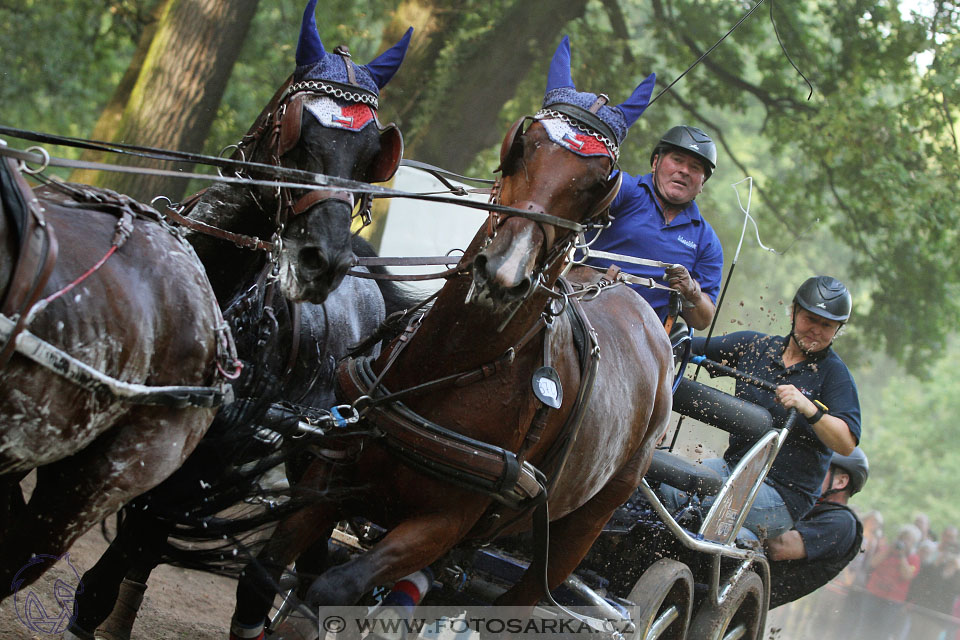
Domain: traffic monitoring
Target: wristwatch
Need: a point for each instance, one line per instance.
(815, 418)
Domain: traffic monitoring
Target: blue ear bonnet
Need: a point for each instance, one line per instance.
(561, 97)
(610, 116)
(315, 64)
(331, 68)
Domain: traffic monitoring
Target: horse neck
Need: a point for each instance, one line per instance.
(231, 269)
(455, 336)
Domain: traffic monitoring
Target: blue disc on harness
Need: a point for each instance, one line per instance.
(547, 387)
(338, 419)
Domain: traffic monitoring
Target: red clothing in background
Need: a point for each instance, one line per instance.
(886, 580)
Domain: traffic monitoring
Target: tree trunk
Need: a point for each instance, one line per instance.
(464, 118)
(112, 114)
(180, 83)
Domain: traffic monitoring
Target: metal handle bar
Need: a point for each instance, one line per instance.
(722, 369)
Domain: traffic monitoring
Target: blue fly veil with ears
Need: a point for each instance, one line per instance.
(589, 112)
(342, 94)
(336, 73)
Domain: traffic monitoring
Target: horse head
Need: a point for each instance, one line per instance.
(324, 121)
(559, 169)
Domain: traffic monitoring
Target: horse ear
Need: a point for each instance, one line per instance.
(637, 103)
(559, 74)
(309, 47)
(384, 66)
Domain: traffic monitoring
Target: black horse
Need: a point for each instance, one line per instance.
(303, 246)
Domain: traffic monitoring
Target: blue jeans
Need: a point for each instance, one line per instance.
(768, 517)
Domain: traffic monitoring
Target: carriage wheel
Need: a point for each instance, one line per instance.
(739, 616)
(663, 598)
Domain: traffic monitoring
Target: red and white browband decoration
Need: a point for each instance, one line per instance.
(566, 135)
(340, 114)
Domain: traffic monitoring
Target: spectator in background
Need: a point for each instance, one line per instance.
(922, 522)
(893, 568)
(934, 590)
(856, 573)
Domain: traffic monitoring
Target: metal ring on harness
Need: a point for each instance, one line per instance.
(243, 158)
(43, 167)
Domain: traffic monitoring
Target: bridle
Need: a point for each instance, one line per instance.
(280, 128)
(512, 148)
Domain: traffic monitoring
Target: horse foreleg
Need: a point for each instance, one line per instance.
(123, 569)
(570, 538)
(408, 547)
(259, 583)
(12, 503)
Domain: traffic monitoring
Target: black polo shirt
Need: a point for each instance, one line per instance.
(802, 463)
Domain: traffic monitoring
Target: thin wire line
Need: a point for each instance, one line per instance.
(708, 51)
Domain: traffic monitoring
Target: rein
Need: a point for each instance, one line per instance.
(315, 179)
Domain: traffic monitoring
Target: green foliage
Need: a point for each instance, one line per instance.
(912, 448)
(60, 62)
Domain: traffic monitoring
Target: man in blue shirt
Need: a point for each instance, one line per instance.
(655, 217)
(804, 367)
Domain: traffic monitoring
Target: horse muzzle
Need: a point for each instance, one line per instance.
(308, 272)
(504, 272)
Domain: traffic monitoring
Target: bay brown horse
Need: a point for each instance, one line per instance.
(147, 316)
(452, 397)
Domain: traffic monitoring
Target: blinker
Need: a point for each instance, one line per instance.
(547, 387)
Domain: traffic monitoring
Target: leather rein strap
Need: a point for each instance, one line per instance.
(438, 451)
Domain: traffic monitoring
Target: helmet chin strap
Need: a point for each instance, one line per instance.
(829, 492)
(793, 336)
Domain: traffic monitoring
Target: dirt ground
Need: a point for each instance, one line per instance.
(178, 605)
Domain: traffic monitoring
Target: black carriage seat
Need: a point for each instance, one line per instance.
(715, 408)
(719, 409)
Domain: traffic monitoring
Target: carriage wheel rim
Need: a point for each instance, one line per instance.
(666, 618)
(738, 632)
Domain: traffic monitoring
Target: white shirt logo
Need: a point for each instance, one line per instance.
(685, 242)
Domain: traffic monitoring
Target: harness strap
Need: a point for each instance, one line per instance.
(321, 195)
(438, 451)
(245, 242)
(35, 261)
(83, 375)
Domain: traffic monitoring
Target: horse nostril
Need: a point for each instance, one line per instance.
(480, 267)
(520, 290)
(312, 259)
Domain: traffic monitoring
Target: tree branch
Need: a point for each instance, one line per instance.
(767, 99)
(849, 213)
(619, 24)
(718, 133)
